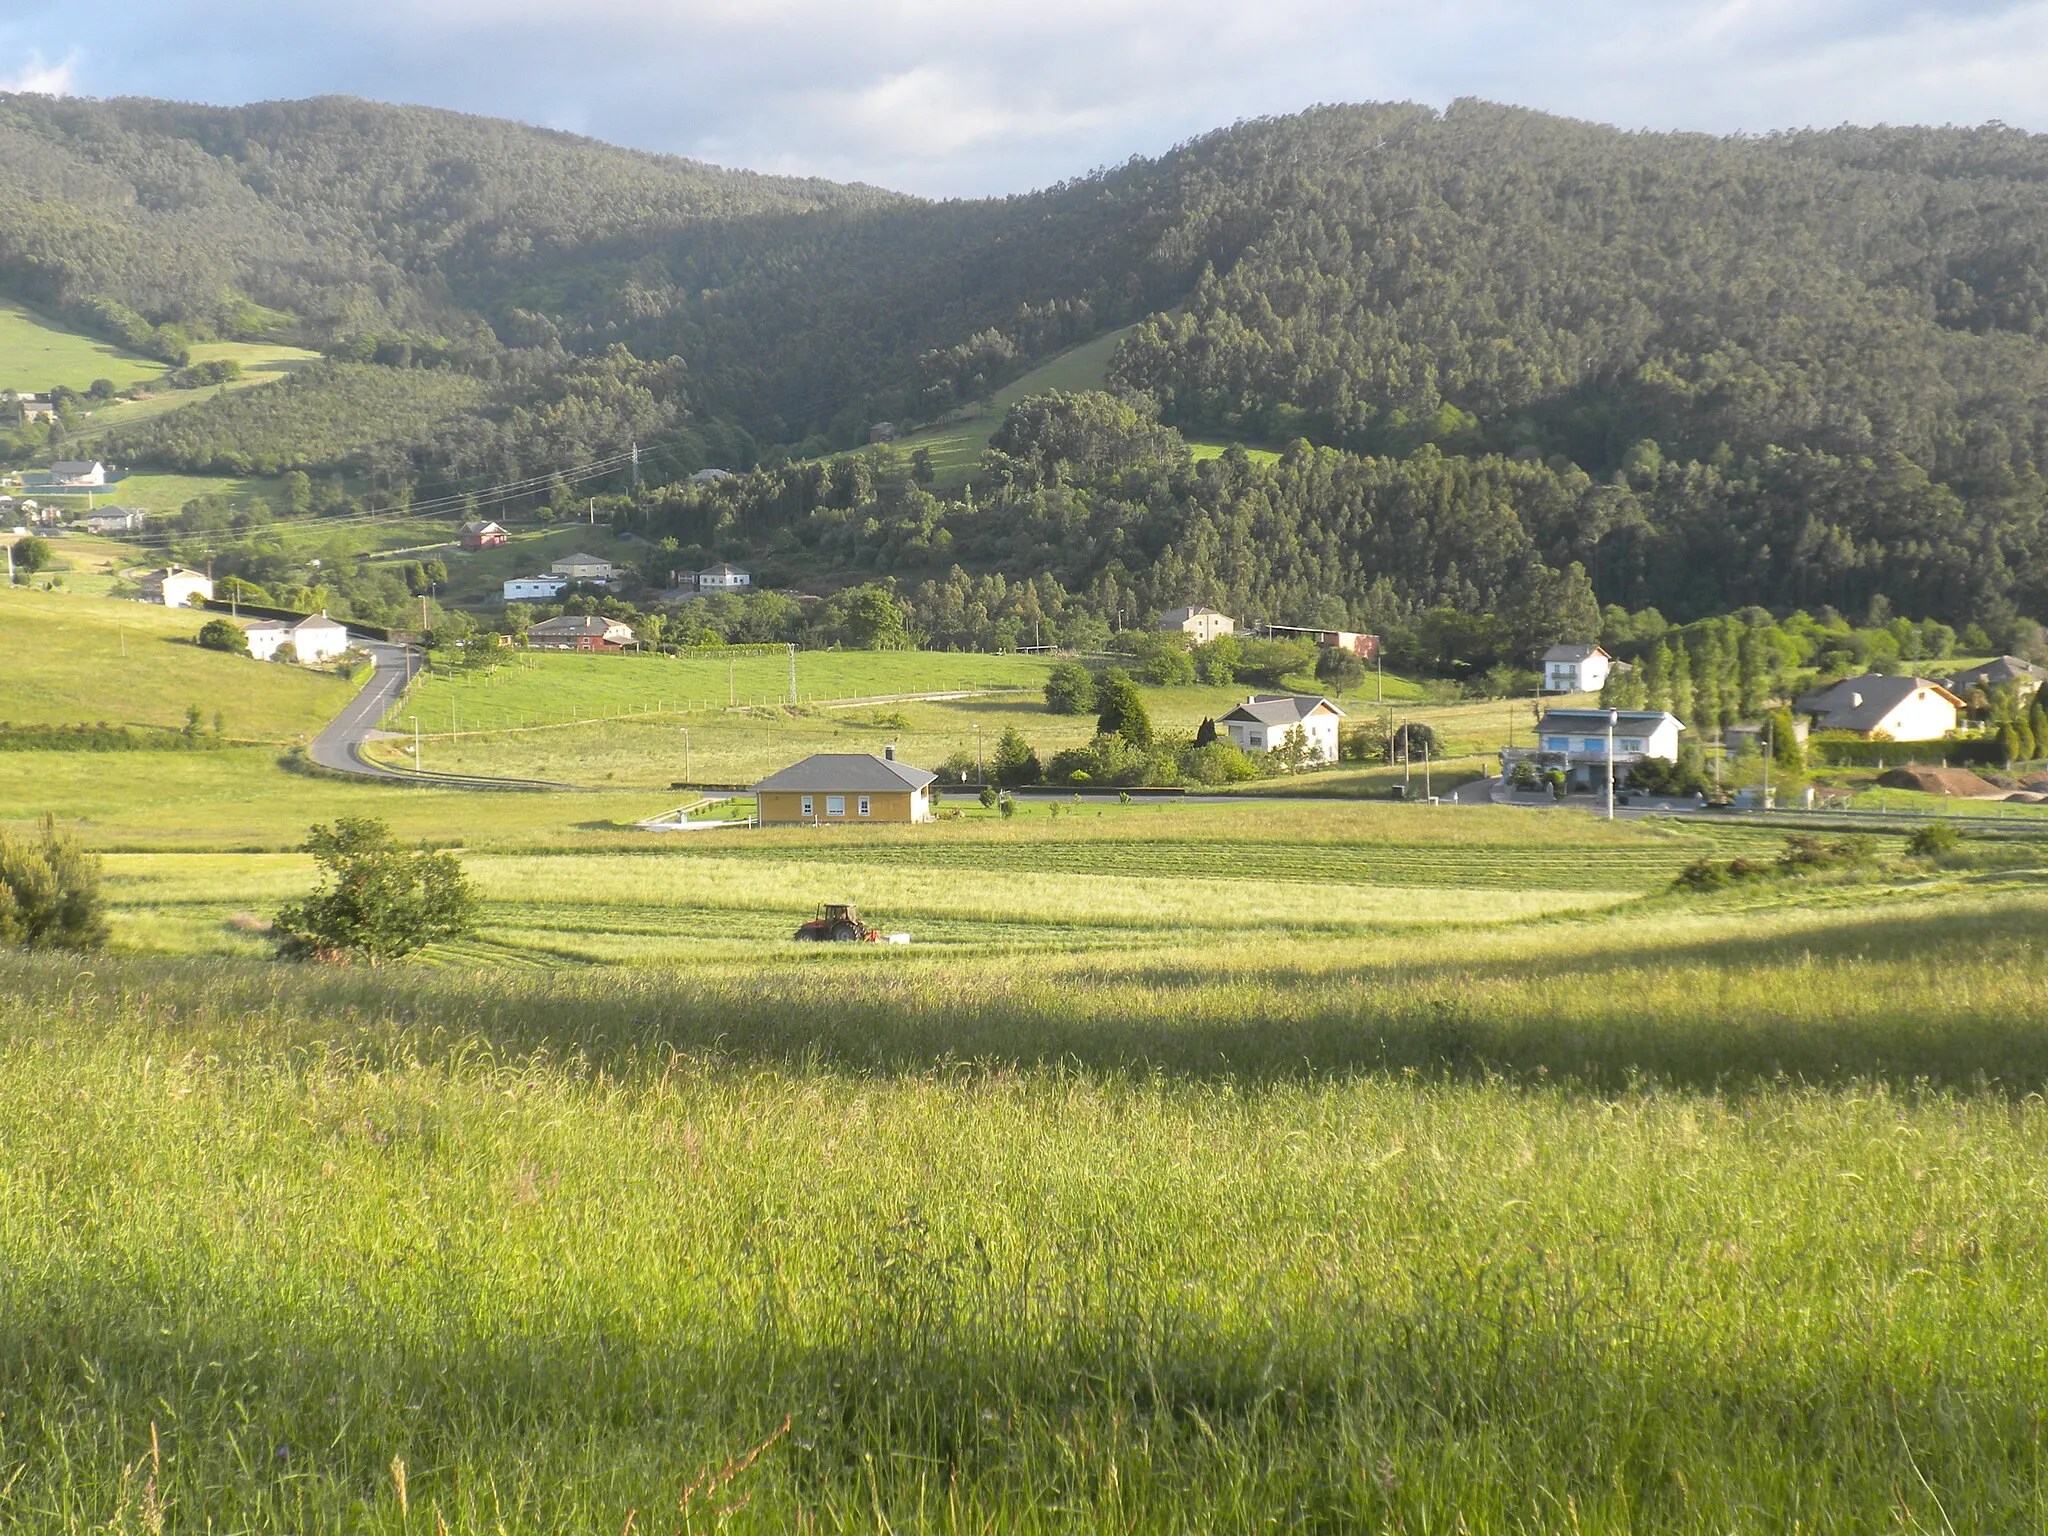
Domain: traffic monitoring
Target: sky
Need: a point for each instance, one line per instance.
(947, 98)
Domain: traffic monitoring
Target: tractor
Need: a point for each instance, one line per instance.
(838, 922)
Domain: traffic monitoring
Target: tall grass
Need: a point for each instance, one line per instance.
(1704, 1228)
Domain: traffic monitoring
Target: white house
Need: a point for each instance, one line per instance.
(710, 476)
(1576, 741)
(1199, 623)
(78, 472)
(1882, 708)
(724, 578)
(117, 520)
(1263, 723)
(313, 639)
(175, 587)
(583, 568)
(535, 589)
(1575, 669)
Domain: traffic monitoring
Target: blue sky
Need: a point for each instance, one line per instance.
(964, 99)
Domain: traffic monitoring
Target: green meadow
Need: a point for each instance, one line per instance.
(37, 355)
(1217, 1167)
(956, 445)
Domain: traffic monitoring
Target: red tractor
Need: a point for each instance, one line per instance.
(839, 922)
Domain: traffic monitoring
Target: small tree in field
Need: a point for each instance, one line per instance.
(1339, 669)
(377, 901)
(50, 892)
(224, 635)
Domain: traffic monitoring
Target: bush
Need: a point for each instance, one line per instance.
(1069, 689)
(1216, 662)
(1272, 662)
(1121, 709)
(224, 635)
(1014, 762)
(377, 901)
(1163, 660)
(1216, 762)
(50, 892)
(1932, 841)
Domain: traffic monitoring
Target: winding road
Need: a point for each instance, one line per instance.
(340, 746)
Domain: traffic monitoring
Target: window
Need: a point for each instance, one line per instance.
(835, 805)
(863, 805)
(1596, 743)
(807, 807)
(1258, 742)
(1557, 743)
(1631, 744)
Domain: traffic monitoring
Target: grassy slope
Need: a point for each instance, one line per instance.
(36, 355)
(262, 363)
(77, 658)
(956, 446)
(738, 746)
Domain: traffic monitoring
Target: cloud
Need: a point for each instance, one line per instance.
(946, 98)
(38, 77)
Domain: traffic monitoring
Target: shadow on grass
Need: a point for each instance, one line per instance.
(1918, 996)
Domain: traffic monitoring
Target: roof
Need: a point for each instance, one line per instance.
(1281, 709)
(1997, 673)
(582, 559)
(168, 571)
(578, 624)
(1192, 611)
(74, 466)
(1862, 703)
(319, 621)
(481, 527)
(1641, 722)
(846, 773)
(1573, 652)
(725, 570)
(550, 577)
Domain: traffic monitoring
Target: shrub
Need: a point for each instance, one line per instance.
(1014, 762)
(1272, 662)
(50, 892)
(377, 901)
(1933, 840)
(1216, 662)
(224, 635)
(1069, 689)
(1216, 762)
(1121, 709)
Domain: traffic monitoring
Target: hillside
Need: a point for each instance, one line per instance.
(1801, 369)
(83, 660)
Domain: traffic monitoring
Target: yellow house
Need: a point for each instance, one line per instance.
(845, 789)
(1881, 708)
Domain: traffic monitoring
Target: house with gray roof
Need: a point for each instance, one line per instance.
(1264, 722)
(1576, 741)
(1575, 669)
(1879, 707)
(845, 788)
(2022, 677)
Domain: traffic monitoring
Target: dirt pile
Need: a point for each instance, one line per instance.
(1959, 782)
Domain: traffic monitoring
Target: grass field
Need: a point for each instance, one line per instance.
(1212, 1167)
(163, 493)
(1363, 1168)
(37, 355)
(956, 446)
(484, 722)
(73, 658)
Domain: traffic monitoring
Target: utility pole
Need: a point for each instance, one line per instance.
(415, 743)
(1770, 746)
(636, 467)
(1426, 795)
(593, 511)
(1379, 672)
(792, 676)
(1610, 764)
(979, 776)
(686, 752)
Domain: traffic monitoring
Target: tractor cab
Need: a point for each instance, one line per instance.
(838, 922)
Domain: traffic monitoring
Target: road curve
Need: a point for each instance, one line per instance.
(340, 746)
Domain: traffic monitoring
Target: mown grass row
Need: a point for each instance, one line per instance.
(1692, 1221)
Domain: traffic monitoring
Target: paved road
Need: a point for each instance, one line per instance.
(340, 746)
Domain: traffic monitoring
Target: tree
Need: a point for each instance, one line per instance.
(1121, 709)
(1205, 733)
(870, 618)
(31, 554)
(1216, 662)
(50, 892)
(1163, 660)
(1339, 668)
(1786, 749)
(1294, 751)
(1014, 762)
(224, 635)
(1069, 689)
(376, 901)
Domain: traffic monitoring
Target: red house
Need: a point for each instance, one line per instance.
(482, 535)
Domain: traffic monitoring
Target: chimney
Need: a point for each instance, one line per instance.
(1855, 701)
(889, 753)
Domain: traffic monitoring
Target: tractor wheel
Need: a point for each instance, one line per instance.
(845, 932)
